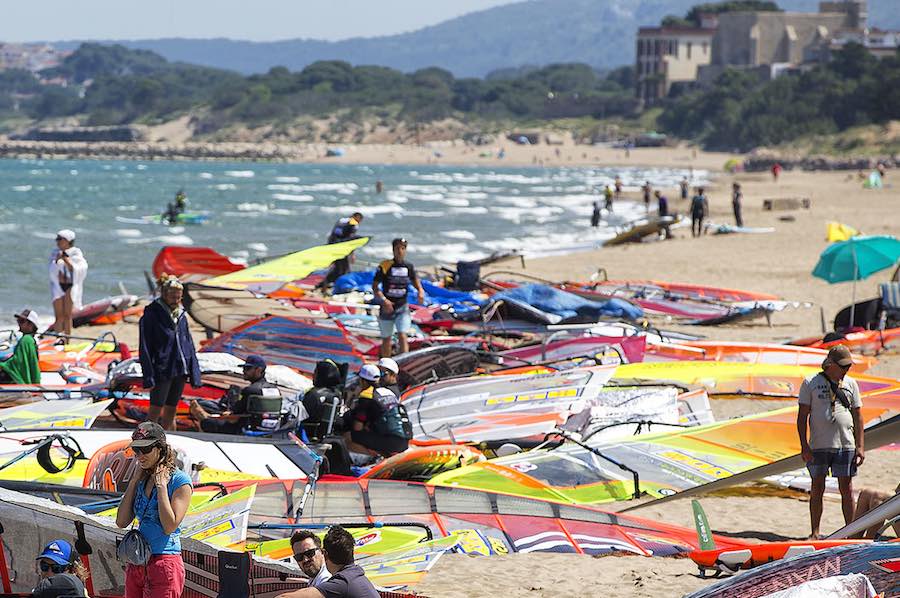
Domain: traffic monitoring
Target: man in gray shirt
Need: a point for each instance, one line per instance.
(830, 410)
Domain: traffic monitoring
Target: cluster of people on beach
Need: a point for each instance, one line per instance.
(698, 206)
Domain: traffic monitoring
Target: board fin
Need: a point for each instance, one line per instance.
(704, 534)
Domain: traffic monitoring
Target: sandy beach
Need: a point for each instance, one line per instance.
(778, 263)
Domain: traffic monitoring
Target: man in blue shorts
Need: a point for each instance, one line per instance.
(391, 281)
(830, 409)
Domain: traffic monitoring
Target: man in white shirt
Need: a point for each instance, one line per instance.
(830, 410)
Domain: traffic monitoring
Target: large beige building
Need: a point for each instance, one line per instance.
(667, 56)
(771, 41)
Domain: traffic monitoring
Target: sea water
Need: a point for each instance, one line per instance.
(447, 213)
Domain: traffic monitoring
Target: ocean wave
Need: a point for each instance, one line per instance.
(292, 197)
(225, 187)
(459, 234)
(258, 247)
(364, 210)
(205, 175)
(287, 179)
(128, 232)
(22, 188)
(240, 174)
(252, 207)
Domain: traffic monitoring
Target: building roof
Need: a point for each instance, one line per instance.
(676, 31)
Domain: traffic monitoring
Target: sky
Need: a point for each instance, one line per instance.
(257, 20)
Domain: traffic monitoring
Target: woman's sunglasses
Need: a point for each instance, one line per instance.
(306, 554)
(45, 566)
(144, 450)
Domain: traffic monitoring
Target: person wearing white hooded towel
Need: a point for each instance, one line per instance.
(67, 270)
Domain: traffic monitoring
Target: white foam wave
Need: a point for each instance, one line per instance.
(389, 208)
(128, 208)
(128, 232)
(258, 247)
(22, 188)
(226, 187)
(252, 207)
(240, 174)
(205, 175)
(292, 197)
(287, 179)
(459, 234)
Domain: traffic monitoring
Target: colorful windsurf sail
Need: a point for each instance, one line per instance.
(293, 342)
(664, 464)
(732, 378)
(501, 408)
(61, 413)
(272, 275)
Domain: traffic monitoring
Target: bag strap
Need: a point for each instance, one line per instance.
(839, 393)
(147, 504)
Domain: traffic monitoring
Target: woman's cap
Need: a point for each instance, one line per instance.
(148, 434)
(370, 372)
(68, 235)
(30, 315)
(58, 551)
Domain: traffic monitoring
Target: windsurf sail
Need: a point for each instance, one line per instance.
(732, 378)
(192, 263)
(272, 275)
(293, 342)
(62, 413)
(664, 464)
(500, 408)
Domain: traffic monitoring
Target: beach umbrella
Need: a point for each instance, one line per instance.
(855, 259)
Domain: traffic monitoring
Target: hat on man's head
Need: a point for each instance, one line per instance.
(58, 551)
(147, 434)
(370, 372)
(30, 315)
(67, 234)
(386, 363)
(840, 355)
(398, 241)
(254, 361)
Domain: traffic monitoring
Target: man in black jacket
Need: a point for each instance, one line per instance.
(167, 354)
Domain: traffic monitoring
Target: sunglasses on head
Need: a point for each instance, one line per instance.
(306, 554)
(45, 566)
(144, 450)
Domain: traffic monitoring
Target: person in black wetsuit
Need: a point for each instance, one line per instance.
(663, 210)
(231, 417)
(323, 398)
(389, 285)
(699, 210)
(737, 198)
(344, 229)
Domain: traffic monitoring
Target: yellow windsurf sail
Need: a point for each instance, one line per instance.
(272, 275)
(836, 231)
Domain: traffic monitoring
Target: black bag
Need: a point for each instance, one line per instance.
(234, 574)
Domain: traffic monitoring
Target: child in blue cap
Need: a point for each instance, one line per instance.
(62, 574)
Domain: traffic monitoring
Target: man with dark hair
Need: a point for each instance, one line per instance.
(347, 579)
(699, 211)
(230, 414)
(307, 548)
(390, 287)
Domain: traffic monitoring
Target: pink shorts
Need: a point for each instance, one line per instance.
(162, 577)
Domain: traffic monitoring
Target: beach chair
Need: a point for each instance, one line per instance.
(890, 305)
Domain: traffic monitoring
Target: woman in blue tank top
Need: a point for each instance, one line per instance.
(158, 495)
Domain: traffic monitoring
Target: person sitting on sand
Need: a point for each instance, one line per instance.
(868, 500)
(23, 366)
(229, 415)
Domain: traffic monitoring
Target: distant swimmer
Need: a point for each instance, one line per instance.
(379, 187)
(685, 187)
(344, 229)
(646, 188)
(595, 215)
(618, 185)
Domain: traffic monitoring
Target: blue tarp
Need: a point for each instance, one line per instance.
(362, 281)
(563, 306)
